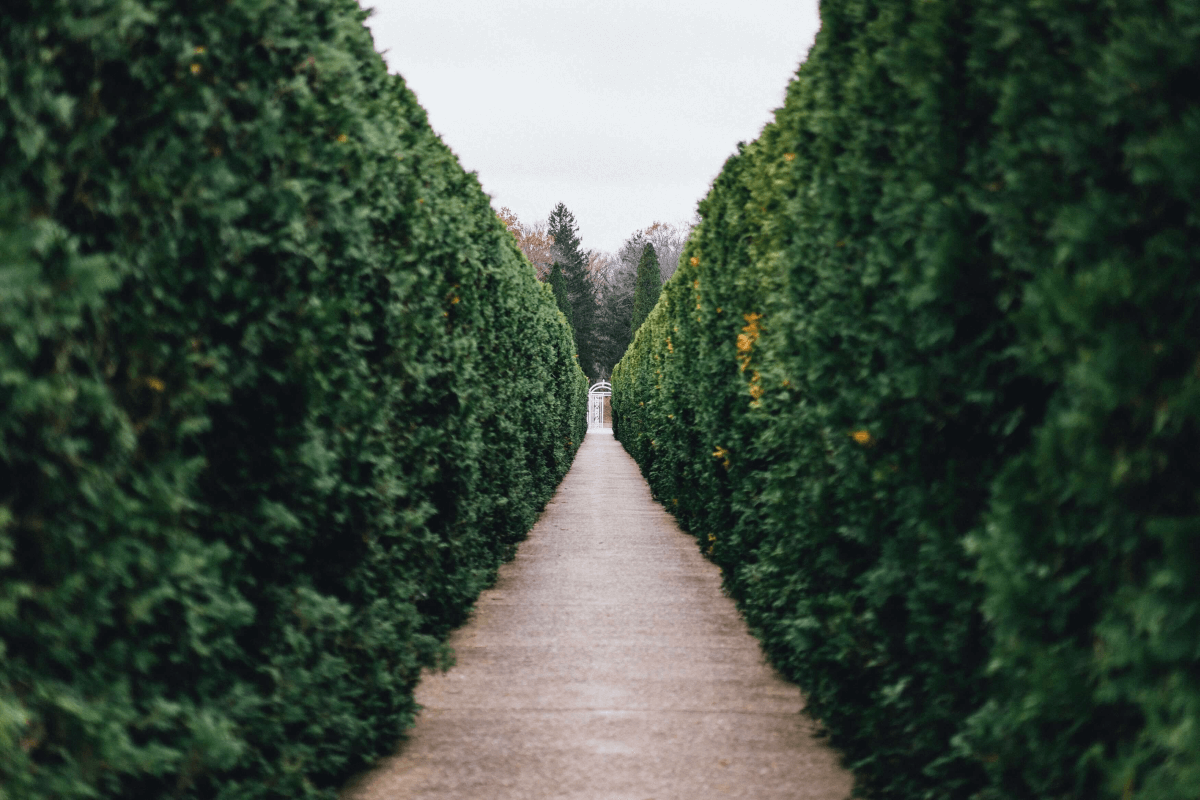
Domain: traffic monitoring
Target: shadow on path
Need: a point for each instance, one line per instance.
(606, 663)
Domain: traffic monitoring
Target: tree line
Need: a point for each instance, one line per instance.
(604, 296)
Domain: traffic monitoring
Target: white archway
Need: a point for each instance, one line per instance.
(596, 396)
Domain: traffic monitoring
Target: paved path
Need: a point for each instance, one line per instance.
(607, 665)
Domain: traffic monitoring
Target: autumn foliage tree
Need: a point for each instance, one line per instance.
(532, 238)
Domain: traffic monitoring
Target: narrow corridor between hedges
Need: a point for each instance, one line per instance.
(606, 663)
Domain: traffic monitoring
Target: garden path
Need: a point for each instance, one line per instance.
(606, 664)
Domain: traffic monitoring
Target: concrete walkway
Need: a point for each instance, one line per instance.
(607, 665)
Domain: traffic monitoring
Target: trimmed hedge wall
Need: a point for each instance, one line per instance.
(927, 388)
(278, 393)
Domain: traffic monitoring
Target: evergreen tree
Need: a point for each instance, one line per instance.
(558, 285)
(572, 261)
(649, 284)
(614, 312)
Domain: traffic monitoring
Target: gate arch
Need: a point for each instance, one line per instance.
(596, 396)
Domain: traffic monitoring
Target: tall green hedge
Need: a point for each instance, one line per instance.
(926, 387)
(278, 392)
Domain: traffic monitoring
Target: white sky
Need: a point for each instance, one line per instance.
(625, 110)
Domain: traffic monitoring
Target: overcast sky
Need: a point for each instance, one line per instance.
(624, 110)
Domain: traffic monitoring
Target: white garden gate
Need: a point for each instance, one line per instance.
(596, 396)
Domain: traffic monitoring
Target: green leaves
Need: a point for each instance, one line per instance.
(277, 395)
(924, 388)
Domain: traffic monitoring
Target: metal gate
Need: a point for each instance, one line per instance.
(596, 395)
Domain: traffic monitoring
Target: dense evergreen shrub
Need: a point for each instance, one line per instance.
(277, 394)
(925, 387)
(1091, 556)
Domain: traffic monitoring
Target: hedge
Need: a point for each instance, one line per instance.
(278, 393)
(926, 388)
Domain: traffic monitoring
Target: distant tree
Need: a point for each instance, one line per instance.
(616, 278)
(668, 240)
(614, 309)
(572, 261)
(533, 239)
(605, 283)
(649, 284)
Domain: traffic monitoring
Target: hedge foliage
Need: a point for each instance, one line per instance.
(278, 392)
(927, 388)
